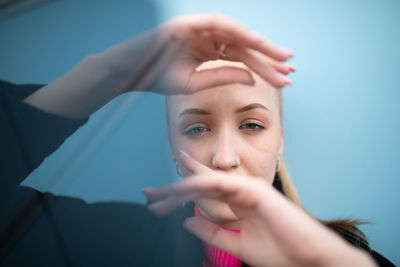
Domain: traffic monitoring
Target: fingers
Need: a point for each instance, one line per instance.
(246, 192)
(184, 78)
(156, 193)
(213, 235)
(191, 164)
(261, 65)
(188, 190)
(232, 32)
(164, 207)
(281, 67)
(213, 36)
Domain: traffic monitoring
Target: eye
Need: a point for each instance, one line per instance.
(196, 130)
(252, 126)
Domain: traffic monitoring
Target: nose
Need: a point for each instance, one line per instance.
(224, 155)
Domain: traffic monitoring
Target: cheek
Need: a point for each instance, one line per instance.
(259, 155)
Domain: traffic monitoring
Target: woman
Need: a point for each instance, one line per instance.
(40, 229)
(57, 231)
(227, 142)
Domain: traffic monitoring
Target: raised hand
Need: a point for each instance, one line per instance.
(194, 39)
(274, 232)
(167, 55)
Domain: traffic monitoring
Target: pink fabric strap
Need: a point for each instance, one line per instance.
(215, 257)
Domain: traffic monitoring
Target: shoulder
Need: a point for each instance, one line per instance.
(357, 238)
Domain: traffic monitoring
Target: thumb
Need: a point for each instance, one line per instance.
(204, 79)
(213, 235)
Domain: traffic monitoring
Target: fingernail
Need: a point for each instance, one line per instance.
(292, 68)
(183, 153)
(288, 81)
(257, 35)
(288, 52)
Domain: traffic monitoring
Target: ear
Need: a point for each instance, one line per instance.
(281, 145)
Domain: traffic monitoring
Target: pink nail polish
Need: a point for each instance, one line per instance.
(288, 52)
(288, 81)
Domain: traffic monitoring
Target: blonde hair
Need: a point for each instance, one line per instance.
(346, 226)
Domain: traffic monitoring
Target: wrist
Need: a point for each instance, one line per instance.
(131, 62)
(350, 256)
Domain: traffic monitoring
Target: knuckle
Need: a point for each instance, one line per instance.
(217, 184)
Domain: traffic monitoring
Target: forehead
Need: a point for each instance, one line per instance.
(223, 99)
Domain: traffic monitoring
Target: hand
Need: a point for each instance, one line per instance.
(200, 38)
(176, 48)
(274, 231)
(168, 54)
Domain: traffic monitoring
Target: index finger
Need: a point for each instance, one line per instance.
(191, 164)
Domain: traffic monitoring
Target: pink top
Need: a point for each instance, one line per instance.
(215, 257)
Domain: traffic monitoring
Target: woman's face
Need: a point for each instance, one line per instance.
(233, 128)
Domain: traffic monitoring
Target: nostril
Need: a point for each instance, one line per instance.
(227, 165)
(225, 161)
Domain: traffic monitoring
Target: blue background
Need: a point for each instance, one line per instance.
(341, 115)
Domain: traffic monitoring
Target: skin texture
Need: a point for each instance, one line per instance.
(228, 166)
(243, 142)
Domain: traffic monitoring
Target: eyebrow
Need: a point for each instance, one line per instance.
(250, 107)
(194, 111)
(197, 111)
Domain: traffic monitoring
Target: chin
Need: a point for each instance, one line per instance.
(217, 211)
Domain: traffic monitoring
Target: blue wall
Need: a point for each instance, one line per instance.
(341, 115)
